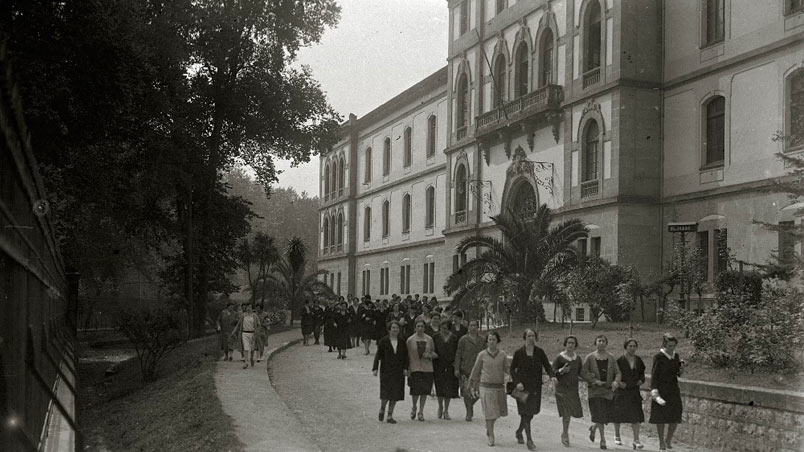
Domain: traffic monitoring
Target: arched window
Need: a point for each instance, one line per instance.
(524, 201)
(367, 224)
(462, 102)
(521, 70)
(591, 143)
(341, 176)
(432, 133)
(406, 214)
(326, 232)
(795, 113)
(333, 233)
(546, 58)
(408, 136)
(386, 157)
(334, 174)
(340, 229)
(592, 38)
(386, 210)
(429, 196)
(460, 189)
(715, 130)
(499, 81)
(367, 175)
(326, 181)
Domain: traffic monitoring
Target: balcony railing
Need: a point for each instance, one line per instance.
(591, 77)
(547, 97)
(589, 188)
(460, 217)
(462, 133)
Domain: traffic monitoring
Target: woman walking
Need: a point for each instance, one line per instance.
(446, 384)
(627, 398)
(526, 374)
(567, 367)
(261, 334)
(307, 322)
(469, 346)
(368, 322)
(341, 321)
(392, 361)
(602, 378)
(421, 353)
(665, 405)
(488, 378)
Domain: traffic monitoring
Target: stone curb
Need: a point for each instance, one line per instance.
(276, 350)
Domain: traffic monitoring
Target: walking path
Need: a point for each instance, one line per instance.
(262, 420)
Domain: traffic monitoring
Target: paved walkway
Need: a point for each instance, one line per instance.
(262, 420)
(337, 402)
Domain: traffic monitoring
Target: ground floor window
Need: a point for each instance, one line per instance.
(580, 315)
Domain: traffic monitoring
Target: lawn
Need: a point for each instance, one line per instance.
(649, 336)
(178, 412)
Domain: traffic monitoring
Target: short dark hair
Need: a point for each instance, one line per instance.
(447, 323)
(418, 321)
(573, 338)
(435, 314)
(628, 341)
(525, 333)
(392, 323)
(495, 334)
(667, 337)
(458, 313)
(475, 321)
(602, 336)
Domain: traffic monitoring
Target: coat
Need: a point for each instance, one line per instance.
(591, 374)
(391, 366)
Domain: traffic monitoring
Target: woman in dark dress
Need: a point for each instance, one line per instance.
(368, 322)
(329, 325)
(380, 329)
(567, 367)
(526, 373)
(355, 309)
(392, 352)
(665, 405)
(446, 383)
(627, 398)
(307, 321)
(341, 322)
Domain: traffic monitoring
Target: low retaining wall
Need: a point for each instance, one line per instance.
(726, 417)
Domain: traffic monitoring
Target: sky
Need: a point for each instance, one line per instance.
(379, 49)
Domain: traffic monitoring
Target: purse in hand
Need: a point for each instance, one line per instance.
(522, 396)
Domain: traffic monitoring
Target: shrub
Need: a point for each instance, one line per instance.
(154, 335)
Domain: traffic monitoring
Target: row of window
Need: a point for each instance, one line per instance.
(333, 231)
(428, 279)
(334, 177)
(429, 217)
(407, 147)
(335, 285)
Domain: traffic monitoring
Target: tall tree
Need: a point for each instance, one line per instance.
(529, 257)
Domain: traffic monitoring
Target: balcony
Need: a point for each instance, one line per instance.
(461, 133)
(589, 188)
(531, 104)
(591, 77)
(460, 217)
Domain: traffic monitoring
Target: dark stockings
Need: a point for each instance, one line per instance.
(668, 440)
(524, 424)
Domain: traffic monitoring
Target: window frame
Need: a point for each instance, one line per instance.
(386, 157)
(429, 201)
(790, 8)
(499, 83)
(367, 170)
(588, 35)
(521, 70)
(432, 135)
(586, 153)
(709, 37)
(708, 119)
(463, 25)
(789, 143)
(407, 138)
(386, 221)
(367, 224)
(463, 198)
(462, 101)
(546, 72)
(407, 207)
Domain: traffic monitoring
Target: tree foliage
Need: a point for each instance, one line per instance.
(598, 283)
(524, 263)
(154, 335)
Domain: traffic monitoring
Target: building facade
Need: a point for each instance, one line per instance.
(626, 114)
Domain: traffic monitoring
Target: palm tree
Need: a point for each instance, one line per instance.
(526, 263)
(289, 280)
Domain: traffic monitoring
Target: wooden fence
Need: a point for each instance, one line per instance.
(38, 376)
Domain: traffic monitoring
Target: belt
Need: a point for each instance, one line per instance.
(492, 385)
(248, 331)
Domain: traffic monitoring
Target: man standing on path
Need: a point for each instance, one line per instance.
(248, 324)
(227, 319)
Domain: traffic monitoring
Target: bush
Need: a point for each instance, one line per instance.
(154, 335)
(748, 333)
(277, 318)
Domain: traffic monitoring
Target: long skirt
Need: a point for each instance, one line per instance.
(627, 407)
(600, 408)
(569, 403)
(307, 328)
(392, 386)
(421, 383)
(446, 385)
(493, 402)
(670, 413)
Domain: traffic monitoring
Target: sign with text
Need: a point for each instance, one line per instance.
(682, 227)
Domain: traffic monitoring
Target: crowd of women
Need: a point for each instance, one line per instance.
(423, 348)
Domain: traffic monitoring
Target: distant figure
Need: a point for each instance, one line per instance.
(665, 405)
(246, 327)
(225, 324)
(261, 335)
(307, 322)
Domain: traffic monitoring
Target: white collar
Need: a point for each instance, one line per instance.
(664, 352)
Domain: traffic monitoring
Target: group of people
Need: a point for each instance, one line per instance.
(245, 330)
(458, 361)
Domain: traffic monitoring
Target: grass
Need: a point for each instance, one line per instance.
(649, 336)
(178, 412)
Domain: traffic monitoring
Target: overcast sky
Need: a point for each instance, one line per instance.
(379, 49)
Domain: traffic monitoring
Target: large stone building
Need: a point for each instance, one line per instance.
(626, 114)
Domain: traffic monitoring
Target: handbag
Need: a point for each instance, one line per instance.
(509, 388)
(522, 396)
